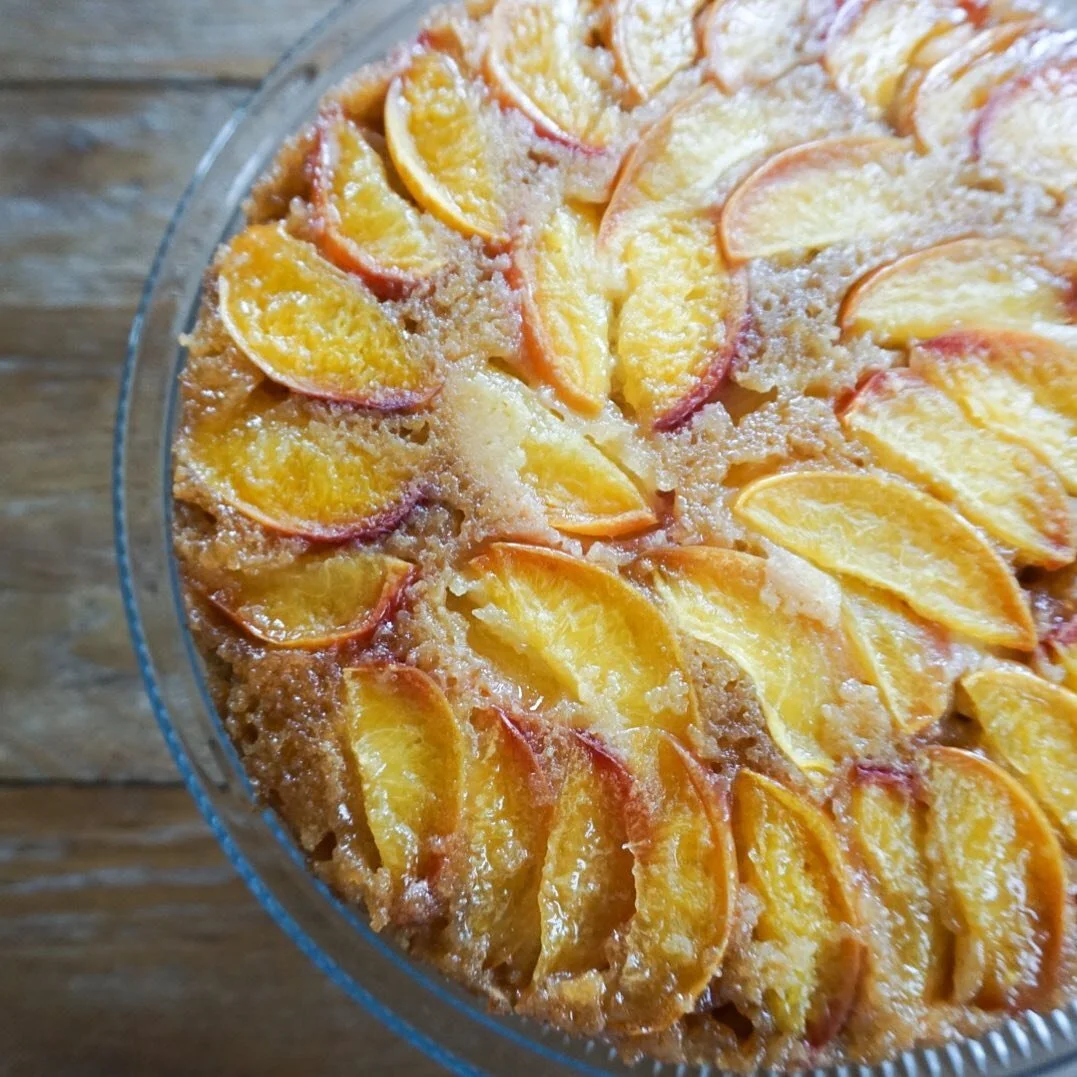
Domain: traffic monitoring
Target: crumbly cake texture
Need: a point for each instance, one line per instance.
(631, 541)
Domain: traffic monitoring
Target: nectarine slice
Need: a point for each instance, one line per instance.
(1031, 724)
(908, 659)
(583, 491)
(928, 53)
(409, 752)
(1019, 385)
(1061, 647)
(313, 328)
(442, 139)
(653, 40)
(508, 806)
(729, 600)
(319, 598)
(1002, 862)
(599, 636)
(890, 825)
(685, 871)
(965, 283)
(537, 59)
(366, 226)
(811, 196)
(566, 313)
(681, 319)
(304, 468)
(870, 43)
(917, 431)
(753, 42)
(881, 530)
(587, 891)
(789, 856)
(1028, 128)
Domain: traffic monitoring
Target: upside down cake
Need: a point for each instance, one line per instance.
(623, 493)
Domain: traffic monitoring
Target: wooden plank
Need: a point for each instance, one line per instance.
(136, 39)
(130, 947)
(88, 180)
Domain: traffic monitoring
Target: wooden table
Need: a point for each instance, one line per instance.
(127, 944)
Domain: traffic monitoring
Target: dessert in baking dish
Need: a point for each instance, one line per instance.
(624, 495)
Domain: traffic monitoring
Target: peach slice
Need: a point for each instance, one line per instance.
(538, 61)
(508, 806)
(366, 226)
(599, 636)
(996, 850)
(929, 52)
(686, 886)
(680, 322)
(917, 431)
(1031, 724)
(653, 40)
(320, 598)
(890, 826)
(313, 328)
(587, 891)
(789, 856)
(566, 313)
(678, 160)
(409, 751)
(811, 196)
(583, 491)
(965, 283)
(909, 659)
(305, 469)
(881, 530)
(955, 88)
(753, 42)
(871, 42)
(1019, 385)
(729, 600)
(1028, 128)
(442, 139)
(1061, 649)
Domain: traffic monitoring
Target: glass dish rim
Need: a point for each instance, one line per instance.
(946, 1058)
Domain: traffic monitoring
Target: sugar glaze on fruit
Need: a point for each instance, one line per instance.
(624, 496)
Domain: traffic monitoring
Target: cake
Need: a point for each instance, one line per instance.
(624, 502)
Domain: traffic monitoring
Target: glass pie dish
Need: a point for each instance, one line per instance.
(437, 1017)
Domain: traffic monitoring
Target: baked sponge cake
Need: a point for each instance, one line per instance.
(624, 496)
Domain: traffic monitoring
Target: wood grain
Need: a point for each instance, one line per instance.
(88, 180)
(138, 39)
(131, 948)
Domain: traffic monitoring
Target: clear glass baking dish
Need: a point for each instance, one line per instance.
(431, 1013)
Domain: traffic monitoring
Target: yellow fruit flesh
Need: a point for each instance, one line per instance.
(303, 469)
(507, 828)
(975, 283)
(367, 222)
(679, 319)
(442, 140)
(408, 750)
(750, 42)
(1020, 386)
(908, 657)
(726, 599)
(789, 857)
(316, 599)
(888, 534)
(587, 890)
(599, 637)
(311, 327)
(809, 197)
(890, 828)
(685, 877)
(652, 41)
(1031, 725)
(1004, 868)
(566, 312)
(915, 430)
